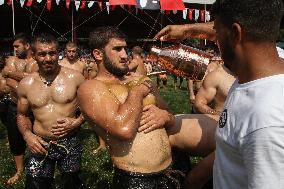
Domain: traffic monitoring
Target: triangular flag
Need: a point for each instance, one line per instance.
(167, 12)
(113, 7)
(22, 2)
(48, 4)
(29, 3)
(2, 2)
(9, 2)
(107, 6)
(90, 4)
(57, 2)
(172, 5)
(196, 14)
(148, 4)
(184, 13)
(190, 14)
(122, 2)
(202, 15)
(77, 5)
(207, 16)
(100, 5)
(67, 4)
(39, 1)
(83, 4)
(175, 11)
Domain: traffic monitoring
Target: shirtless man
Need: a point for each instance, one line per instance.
(51, 94)
(16, 68)
(136, 65)
(115, 103)
(214, 90)
(72, 60)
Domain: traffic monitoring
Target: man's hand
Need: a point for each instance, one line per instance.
(172, 33)
(64, 126)
(153, 118)
(35, 143)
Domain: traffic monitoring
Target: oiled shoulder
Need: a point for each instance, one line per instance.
(26, 84)
(74, 75)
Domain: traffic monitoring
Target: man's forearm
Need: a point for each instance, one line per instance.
(18, 76)
(24, 125)
(205, 109)
(201, 31)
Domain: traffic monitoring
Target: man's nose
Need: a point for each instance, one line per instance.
(47, 58)
(123, 54)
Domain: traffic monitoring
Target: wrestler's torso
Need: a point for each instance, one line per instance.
(49, 103)
(78, 65)
(149, 152)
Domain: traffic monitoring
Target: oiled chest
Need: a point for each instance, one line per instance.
(59, 92)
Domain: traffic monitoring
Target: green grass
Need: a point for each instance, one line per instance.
(96, 170)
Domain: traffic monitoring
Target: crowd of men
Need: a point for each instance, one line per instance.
(44, 102)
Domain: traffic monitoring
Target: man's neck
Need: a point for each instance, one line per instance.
(259, 62)
(50, 76)
(72, 61)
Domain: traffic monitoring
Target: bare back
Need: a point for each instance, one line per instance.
(79, 65)
(49, 103)
(145, 152)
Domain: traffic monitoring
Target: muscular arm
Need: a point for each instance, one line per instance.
(100, 106)
(181, 32)
(206, 94)
(24, 123)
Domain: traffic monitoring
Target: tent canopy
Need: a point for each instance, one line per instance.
(200, 1)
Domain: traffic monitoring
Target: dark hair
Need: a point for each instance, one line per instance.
(44, 38)
(260, 19)
(137, 50)
(100, 37)
(24, 38)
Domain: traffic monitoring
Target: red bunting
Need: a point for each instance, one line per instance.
(83, 4)
(167, 12)
(100, 5)
(29, 3)
(190, 14)
(172, 5)
(67, 4)
(9, 2)
(122, 2)
(202, 15)
(48, 4)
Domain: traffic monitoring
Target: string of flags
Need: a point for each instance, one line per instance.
(164, 5)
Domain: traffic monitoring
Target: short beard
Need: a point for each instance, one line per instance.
(22, 55)
(111, 68)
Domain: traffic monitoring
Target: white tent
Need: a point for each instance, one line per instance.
(200, 1)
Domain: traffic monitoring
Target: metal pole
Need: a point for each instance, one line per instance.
(72, 38)
(13, 17)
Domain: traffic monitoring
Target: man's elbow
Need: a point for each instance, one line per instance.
(126, 133)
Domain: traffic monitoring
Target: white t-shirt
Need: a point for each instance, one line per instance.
(250, 136)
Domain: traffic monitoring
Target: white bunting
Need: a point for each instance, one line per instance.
(184, 13)
(39, 1)
(22, 2)
(175, 11)
(77, 5)
(196, 14)
(107, 6)
(2, 2)
(90, 4)
(57, 2)
(207, 16)
(143, 3)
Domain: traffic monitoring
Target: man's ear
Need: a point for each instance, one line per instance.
(97, 54)
(237, 34)
(28, 46)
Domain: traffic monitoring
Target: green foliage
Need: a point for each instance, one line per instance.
(96, 169)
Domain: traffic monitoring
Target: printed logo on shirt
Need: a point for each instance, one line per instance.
(223, 119)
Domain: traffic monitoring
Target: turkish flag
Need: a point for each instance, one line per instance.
(29, 3)
(190, 14)
(83, 4)
(122, 2)
(67, 4)
(9, 2)
(172, 5)
(48, 3)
